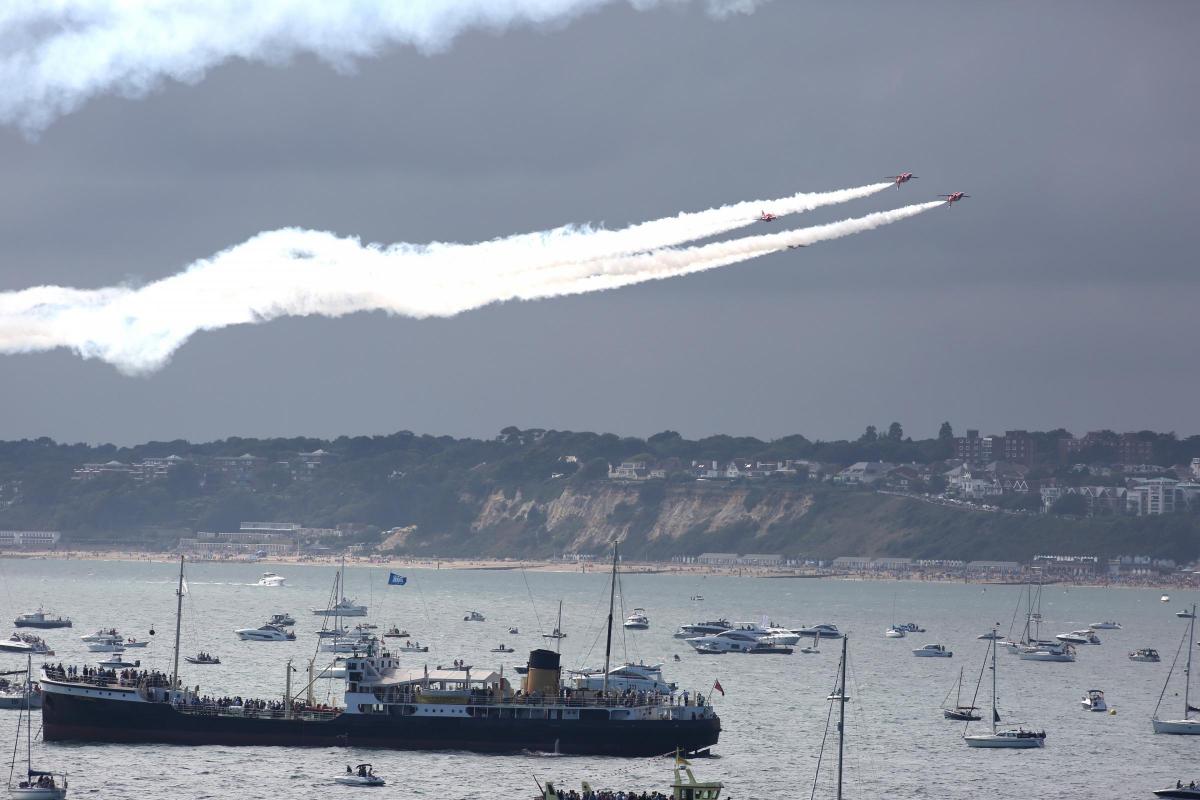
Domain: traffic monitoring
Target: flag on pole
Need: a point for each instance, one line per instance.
(396, 580)
(717, 686)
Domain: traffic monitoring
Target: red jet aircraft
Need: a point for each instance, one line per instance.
(766, 216)
(903, 177)
(953, 198)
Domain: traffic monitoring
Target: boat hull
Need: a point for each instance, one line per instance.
(1010, 742)
(1177, 726)
(72, 717)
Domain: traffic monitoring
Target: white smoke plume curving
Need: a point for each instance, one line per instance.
(293, 272)
(56, 54)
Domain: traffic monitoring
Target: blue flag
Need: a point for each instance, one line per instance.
(396, 580)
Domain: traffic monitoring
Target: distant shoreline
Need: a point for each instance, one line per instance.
(637, 567)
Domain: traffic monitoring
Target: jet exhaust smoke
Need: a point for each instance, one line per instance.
(59, 53)
(293, 272)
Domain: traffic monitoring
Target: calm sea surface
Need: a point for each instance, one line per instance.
(774, 712)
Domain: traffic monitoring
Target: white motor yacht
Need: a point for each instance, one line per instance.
(824, 630)
(770, 634)
(731, 641)
(1107, 625)
(265, 633)
(270, 579)
(25, 643)
(102, 635)
(707, 628)
(106, 647)
(636, 677)
(1079, 637)
(933, 651)
(1146, 654)
(895, 632)
(1166, 598)
(343, 608)
(362, 775)
(637, 621)
(1061, 653)
(347, 644)
(1094, 700)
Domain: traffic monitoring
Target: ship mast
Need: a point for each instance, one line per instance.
(842, 715)
(178, 617)
(995, 715)
(612, 593)
(1187, 675)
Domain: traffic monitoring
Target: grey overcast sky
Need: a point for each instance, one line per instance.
(1063, 292)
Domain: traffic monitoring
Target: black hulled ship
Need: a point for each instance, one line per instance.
(385, 705)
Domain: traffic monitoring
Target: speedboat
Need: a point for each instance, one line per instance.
(697, 597)
(265, 633)
(1079, 637)
(1166, 598)
(637, 621)
(40, 619)
(638, 677)
(102, 635)
(413, 647)
(503, 649)
(1179, 791)
(1017, 738)
(731, 641)
(202, 658)
(281, 620)
(513, 631)
(1185, 614)
(343, 608)
(395, 633)
(117, 662)
(895, 632)
(132, 642)
(106, 647)
(474, 616)
(1094, 700)
(933, 651)
(708, 628)
(824, 630)
(25, 643)
(270, 579)
(362, 775)
(1107, 625)
(1146, 654)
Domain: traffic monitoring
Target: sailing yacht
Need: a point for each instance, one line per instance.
(1187, 724)
(557, 633)
(343, 607)
(38, 784)
(959, 713)
(1017, 738)
(840, 697)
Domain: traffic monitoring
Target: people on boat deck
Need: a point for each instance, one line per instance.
(364, 771)
(43, 782)
(592, 794)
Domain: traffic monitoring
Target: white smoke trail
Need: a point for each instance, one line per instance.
(59, 53)
(297, 273)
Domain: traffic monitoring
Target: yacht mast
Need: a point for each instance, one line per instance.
(178, 617)
(994, 712)
(28, 718)
(1187, 676)
(842, 715)
(612, 593)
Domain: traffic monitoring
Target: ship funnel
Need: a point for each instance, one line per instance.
(544, 673)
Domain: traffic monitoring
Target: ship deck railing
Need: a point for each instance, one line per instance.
(558, 701)
(215, 710)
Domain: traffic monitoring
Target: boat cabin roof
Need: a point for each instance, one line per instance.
(444, 678)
